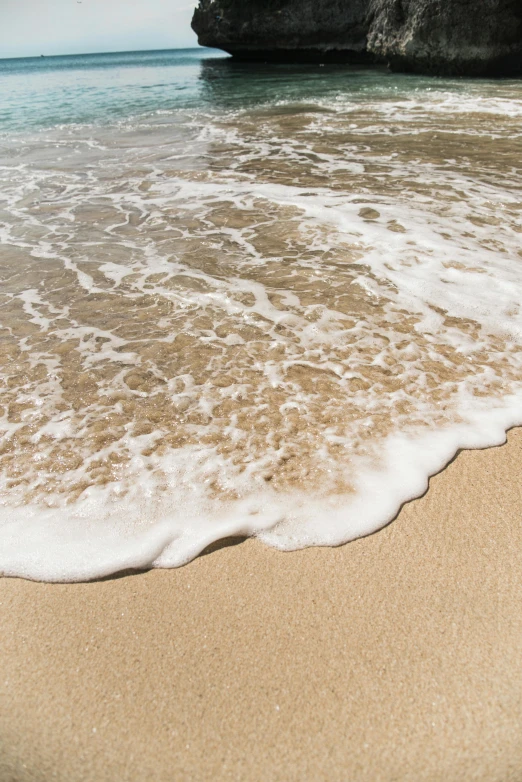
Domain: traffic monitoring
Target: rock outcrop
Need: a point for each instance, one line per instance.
(285, 29)
(448, 37)
(463, 37)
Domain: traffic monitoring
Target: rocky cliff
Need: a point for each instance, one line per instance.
(284, 29)
(463, 37)
(468, 37)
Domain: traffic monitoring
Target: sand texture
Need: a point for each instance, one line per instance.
(396, 657)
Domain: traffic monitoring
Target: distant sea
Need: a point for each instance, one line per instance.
(245, 299)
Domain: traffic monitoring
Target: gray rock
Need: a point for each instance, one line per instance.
(285, 29)
(464, 37)
(461, 37)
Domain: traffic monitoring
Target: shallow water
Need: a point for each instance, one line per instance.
(240, 299)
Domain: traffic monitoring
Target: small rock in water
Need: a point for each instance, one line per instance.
(369, 214)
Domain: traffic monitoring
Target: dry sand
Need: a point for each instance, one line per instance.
(397, 657)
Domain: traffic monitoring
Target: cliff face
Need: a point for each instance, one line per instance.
(470, 37)
(285, 29)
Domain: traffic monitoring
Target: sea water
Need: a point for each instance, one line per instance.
(236, 299)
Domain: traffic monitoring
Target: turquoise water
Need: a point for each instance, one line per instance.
(46, 91)
(244, 299)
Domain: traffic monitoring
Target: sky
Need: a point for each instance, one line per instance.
(33, 27)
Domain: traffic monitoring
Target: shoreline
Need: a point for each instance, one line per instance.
(396, 656)
(382, 493)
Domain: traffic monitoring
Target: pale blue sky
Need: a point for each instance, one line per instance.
(33, 27)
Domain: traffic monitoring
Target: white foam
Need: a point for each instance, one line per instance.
(103, 533)
(440, 248)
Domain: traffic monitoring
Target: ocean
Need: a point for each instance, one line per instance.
(245, 299)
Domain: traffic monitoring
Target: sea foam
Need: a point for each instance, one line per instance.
(274, 320)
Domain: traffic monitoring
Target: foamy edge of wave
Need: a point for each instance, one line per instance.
(44, 549)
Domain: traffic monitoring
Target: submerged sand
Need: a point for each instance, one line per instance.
(227, 320)
(396, 657)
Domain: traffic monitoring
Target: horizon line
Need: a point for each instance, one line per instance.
(115, 51)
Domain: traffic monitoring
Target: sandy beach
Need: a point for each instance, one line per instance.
(396, 657)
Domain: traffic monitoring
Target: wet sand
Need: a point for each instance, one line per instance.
(396, 657)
